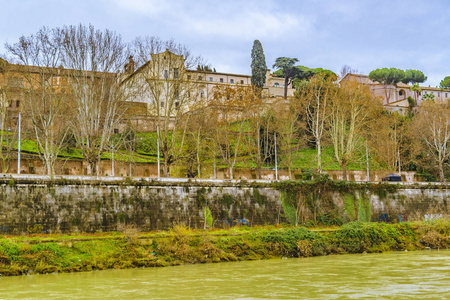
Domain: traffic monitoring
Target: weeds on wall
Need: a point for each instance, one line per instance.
(315, 198)
(208, 216)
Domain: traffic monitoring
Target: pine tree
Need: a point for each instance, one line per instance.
(259, 67)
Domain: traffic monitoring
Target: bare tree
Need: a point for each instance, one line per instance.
(389, 141)
(93, 59)
(45, 86)
(432, 128)
(233, 105)
(316, 100)
(289, 128)
(346, 69)
(9, 89)
(259, 133)
(353, 108)
(170, 90)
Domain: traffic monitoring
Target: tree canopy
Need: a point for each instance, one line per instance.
(445, 83)
(289, 71)
(259, 67)
(414, 76)
(386, 76)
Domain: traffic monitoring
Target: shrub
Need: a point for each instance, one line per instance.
(287, 242)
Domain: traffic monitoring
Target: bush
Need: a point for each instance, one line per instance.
(287, 242)
(357, 237)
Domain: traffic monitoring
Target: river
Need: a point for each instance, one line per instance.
(396, 275)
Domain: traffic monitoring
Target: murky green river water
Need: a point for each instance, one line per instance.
(402, 275)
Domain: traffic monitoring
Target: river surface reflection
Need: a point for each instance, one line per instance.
(396, 275)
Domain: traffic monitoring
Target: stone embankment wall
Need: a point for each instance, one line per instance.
(31, 204)
(89, 204)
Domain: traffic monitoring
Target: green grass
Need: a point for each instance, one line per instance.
(307, 159)
(180, 245)
(146, 152)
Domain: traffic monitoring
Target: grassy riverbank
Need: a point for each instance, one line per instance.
(130, 249)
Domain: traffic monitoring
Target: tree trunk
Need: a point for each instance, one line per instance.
(49, 169)
(344, 171)
(166, 167)
(258, 158)
(93, 166)
(319, 156)
(441, 171)
(198, 155)
(286, 82)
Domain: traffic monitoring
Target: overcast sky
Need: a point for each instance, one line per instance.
(362, 34)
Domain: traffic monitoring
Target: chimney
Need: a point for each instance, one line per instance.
(129, 67)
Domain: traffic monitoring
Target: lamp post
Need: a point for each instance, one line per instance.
(276, 164)
(112, 161)
(157, 146)
(367, 162)
(18, 148)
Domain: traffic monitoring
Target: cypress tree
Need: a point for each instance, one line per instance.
(259, 67)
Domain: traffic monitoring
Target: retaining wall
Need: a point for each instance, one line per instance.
(31, 204)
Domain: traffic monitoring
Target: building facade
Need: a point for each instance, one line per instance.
(395, 98)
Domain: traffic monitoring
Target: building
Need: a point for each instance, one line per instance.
(162, 86)
(167, 87)
(395, 98)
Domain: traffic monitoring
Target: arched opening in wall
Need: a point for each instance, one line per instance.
(401, 94)
(277, 84)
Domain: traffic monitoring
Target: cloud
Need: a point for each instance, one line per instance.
(145, 7)
(251, 25)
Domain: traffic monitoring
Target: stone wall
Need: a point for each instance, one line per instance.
(30, 204)
(82, 204)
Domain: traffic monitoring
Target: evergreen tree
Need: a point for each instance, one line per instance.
(259, 67)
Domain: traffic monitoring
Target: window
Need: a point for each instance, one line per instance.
(210, 79)
(17, 103)
(177, 93)
(116, 130)
(177, 105)
(277, 84)
(400, 93)
(221, 80)
(446, 95)
(231, 80)
(166, 74)
(242, 81)
(15, 82)
(439, 94)
(189, 77)
(175, 73)
(162, 103)
(199, 77)
(202, 94)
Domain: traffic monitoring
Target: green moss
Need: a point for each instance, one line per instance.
(364, 209)
(349, 206)
(227, 200)
(200, 197)
(208, 216)
(260, 199)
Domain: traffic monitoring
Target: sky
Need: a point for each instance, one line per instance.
(362, 34)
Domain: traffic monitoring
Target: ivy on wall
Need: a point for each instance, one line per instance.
(315, 198)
